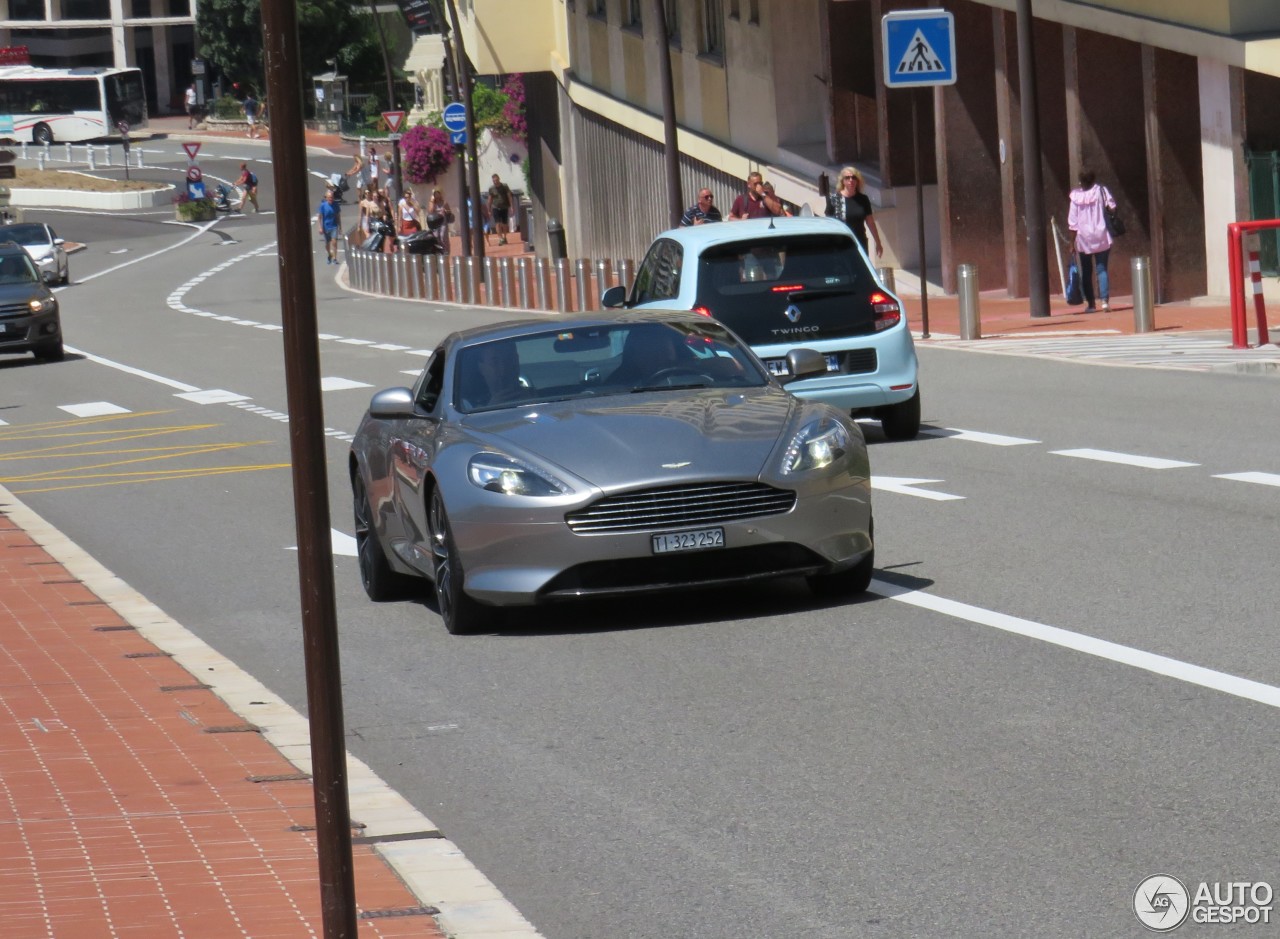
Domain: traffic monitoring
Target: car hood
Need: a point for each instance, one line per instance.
(646, 439)
(38, 251)
(21, 293)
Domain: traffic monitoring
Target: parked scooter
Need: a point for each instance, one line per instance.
(378, 235)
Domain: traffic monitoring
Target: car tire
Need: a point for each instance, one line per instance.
(380, 582)
(50, 351)
(42, 134)
(902, 421)
(461, 614)
(66, 276)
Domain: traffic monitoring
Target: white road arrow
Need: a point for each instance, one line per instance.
(905, 486)
(344, 545)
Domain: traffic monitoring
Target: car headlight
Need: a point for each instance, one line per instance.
(818, 444)
(43, 306)
(498, 473)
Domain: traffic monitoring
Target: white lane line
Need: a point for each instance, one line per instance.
(977, 436)
(93, 409)
(212, 396)
(146, 257)
(344, 545)
(420, 353)
(1264, 479)
(905, 487)
(357, 342)
(150, 376)
(410, 371)
(1101, 648)
(390, 347)
(1127, 459)
(333, 383)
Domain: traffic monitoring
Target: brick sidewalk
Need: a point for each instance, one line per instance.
(134, 803)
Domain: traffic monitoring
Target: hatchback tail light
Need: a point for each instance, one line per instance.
(702, 311)
(886, 309)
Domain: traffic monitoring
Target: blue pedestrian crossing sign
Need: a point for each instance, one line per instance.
(919, 48)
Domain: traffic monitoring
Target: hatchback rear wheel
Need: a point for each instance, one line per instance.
(902, 421)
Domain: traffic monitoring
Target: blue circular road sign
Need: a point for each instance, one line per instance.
(455, 116)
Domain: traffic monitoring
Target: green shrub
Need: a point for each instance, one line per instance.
(227, 108)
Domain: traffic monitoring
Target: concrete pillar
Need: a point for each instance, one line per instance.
(163, 55)
(1225, 180)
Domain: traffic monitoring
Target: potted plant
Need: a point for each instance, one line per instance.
(187, 209)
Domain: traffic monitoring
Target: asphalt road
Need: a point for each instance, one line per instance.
(1064, 682)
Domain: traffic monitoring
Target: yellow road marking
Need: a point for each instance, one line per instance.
(157, 453)
(146, 477)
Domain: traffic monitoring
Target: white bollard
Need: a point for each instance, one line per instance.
(68, 153)
(88, 152)
(40, 160)
(106, 155)
(139, 153)
(24, 149)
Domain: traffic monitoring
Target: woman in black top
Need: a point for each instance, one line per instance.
(851, 205)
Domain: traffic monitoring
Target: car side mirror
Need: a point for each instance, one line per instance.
(59, 241)
(614, 298)
(392, 403)
(805, 363)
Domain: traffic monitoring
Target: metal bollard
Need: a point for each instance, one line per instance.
(139, 153)
(542, 283)
(455, 293)
(440, 268)
(886, 277)
(24, 149)
(1144, 318)
(106, 155)
(384, 273)
(582, 271)
(419, 262)
(967, 287)
(88, 156)
(492, 288)
(564, 283)
(604, 279)
(40, 160)
(473, 280)
(428, 277)
(68, 153)
(402, 274)
(626, 273)
(508, 282)
(522, 281)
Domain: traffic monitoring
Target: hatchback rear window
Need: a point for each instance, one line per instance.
(749, 284)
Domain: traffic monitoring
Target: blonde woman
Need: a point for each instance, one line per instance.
(851, 205)
(369, 209)
(438, 205)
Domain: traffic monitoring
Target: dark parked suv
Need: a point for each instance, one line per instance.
(29, 319)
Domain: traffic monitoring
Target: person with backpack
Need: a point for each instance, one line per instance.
(248, 183)
(1087, 219)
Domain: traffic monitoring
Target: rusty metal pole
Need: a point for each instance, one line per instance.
(307, 444)
(1032, 174)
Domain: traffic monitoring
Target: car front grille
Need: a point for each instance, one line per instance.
(680, 507)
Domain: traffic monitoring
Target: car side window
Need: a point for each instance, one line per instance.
(659, 274)
(432, 383)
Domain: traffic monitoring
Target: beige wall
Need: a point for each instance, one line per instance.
(504, 36)
(1230, 17)
(752, 111)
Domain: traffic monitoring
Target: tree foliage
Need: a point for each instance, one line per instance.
(230, 34)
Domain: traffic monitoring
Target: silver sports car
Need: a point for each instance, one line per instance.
(604, 455)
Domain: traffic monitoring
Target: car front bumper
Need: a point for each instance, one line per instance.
(25, 333)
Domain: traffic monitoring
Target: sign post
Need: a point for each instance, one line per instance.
(919, 49)
(394, 121)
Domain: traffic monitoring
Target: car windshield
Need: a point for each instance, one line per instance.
(25, 234)
(16, 269)
(596, 361)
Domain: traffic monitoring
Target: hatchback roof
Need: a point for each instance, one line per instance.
(697, 237)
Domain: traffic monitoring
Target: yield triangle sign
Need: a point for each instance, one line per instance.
(919, 57)
(394, 119)
(192, 149)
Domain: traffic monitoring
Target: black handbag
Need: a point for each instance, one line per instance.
(1075, 286)
(1115, 224)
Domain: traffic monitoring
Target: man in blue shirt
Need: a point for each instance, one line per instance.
(330, 215)
(704, 211)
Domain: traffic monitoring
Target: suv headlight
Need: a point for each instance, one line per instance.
(43, 306)
(818, 444)
(497, 473)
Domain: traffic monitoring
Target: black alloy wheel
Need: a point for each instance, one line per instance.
(460, 613)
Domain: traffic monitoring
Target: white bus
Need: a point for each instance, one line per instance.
(44, 105)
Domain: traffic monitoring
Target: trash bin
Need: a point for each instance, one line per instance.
(555, 237)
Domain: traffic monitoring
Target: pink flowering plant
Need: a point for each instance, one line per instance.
(427, 153)
(514, 122)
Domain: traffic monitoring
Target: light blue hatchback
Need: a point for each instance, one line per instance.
(789, 283)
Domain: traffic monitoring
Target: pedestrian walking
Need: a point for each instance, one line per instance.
(499, 201)
(752, 202)
(330, 218)
(1087, 219)
(248, 183)
(370, 210)
(387, 212)
(189, 99)
(250, 108)
(438, 208)
(702, 211)
(852, 206)
(410, 210)
(374, 167)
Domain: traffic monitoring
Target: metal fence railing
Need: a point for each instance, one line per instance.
(524, 282)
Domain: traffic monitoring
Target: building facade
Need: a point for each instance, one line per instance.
(157, 36)
(1171, 102)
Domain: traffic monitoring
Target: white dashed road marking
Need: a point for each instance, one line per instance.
(1128, 459)
(341, 384)
(212, 396)
(977, 436)
(906, 487)
(93, 409)
(1264, 479)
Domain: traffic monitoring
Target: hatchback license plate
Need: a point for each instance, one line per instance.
(696, 540)
(779, 366)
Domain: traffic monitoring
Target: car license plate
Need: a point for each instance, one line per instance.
(696, 540)
(779, 366)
